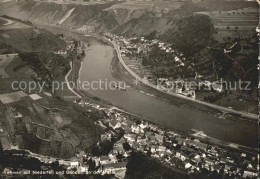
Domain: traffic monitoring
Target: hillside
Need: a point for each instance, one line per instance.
(46, 124)
(200, 31)
(29, 38)
(141, 166)
(93, 15)
(132, 18)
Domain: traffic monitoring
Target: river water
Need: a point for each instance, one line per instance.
(97, 66)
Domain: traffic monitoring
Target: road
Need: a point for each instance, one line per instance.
(116, 47)
(68, 85)
(243, 114)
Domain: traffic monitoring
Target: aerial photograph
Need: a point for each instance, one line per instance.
(129, 89)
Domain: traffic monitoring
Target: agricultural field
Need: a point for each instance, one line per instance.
(222, 5)
(29, 39)
(35, 118)
(239, 17)
(32, 117)
(12, 97)
(238, 23)
(21, 35)
(4, 61)
(35, 96)
(150, 6)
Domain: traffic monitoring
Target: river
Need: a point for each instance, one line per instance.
(97, 65)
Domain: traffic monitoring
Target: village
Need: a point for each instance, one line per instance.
(132, 47)
(127, 133)
(168, 147)
(186, 78)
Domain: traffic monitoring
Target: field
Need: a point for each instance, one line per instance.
(245, 17)
(158, 6)
(24, 37)
(54, 131)
(4, 61)
(226, 5)
(234, 99)
(241, 17)
(78, 2)
(234, 23)
(28, 39)
(56, 128)
(11, 97)
(35, 96)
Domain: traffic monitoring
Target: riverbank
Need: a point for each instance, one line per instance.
(129, 76)
(140, 79)
(182, 100)
(119, 73)
(180, 115)
(216, 142)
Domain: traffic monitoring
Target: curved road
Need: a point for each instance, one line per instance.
(177, 117)
(116, 47)
(243, 114)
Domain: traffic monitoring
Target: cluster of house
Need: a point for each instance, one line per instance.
(188, 88)
(174, 150)
(103, 164)
(178, 86)
(71, 45)
(169, 147)
(137, 45)
(143, 45)
(215, 85)
(111, 165)
(61, 52)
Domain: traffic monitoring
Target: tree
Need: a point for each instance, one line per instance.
(119, 156)
(126, 146)
(215, 175)
(95, 151)
(105, 147)
(141, 166)
(138, 122)
(55, 166)
(92, 165)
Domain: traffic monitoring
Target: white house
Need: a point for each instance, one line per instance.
(74, 164)
(161, 149)
(188, 165)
